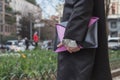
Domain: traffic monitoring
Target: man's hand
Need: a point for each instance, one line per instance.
(69, 49)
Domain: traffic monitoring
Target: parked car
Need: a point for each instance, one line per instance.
(23, 47)
(2, 48)
(15, 45)
(113, 41)
(47, 44)
(116, 47)
(22, 44)
(11, 44)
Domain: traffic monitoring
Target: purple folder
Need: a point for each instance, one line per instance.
(61, 30)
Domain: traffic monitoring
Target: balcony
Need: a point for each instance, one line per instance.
(115, 16)
(8, 10)
(1, 7)
(7, 1)
(1, 19)
(10, 19)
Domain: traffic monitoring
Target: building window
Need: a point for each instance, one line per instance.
(7, 29)
(1, 28)
(7, 1)
(113, 8)
(0, 7)
(114, 34)
(1, 20)
(114, 24)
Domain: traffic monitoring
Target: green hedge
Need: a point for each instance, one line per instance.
(114, 59)
(39, 64)
(36, 65)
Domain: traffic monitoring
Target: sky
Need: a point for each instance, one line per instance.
(48, 7)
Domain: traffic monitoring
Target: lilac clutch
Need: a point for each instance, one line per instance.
(91, 36)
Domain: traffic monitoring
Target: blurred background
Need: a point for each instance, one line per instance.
(20, 19)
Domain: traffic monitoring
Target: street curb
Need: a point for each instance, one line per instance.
(115, 72)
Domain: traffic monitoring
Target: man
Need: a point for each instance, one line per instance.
(36, 39)
(89, 63)
(26, 43)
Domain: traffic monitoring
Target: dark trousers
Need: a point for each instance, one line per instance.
(76, 66)
(27, 46)
(36, 44)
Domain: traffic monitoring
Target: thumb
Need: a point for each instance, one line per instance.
(60, 44)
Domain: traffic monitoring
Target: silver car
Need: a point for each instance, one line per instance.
(114, 41)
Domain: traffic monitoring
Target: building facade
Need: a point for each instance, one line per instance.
(7, 19)
(26, 8)
(114, 18)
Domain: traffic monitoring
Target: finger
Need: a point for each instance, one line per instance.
(75, 50)
(59, 45)
(71, 49)
(68, 49)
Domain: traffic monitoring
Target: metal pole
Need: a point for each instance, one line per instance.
(118, 20)
(39, 33)
(30, 26)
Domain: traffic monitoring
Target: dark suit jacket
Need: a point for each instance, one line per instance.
(78, 14)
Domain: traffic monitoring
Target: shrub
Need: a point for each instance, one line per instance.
(38, 64)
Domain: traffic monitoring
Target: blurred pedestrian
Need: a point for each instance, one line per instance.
(86, 63)
(36, 39)
(26, 43)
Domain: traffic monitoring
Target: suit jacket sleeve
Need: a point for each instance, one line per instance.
(78, 21)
